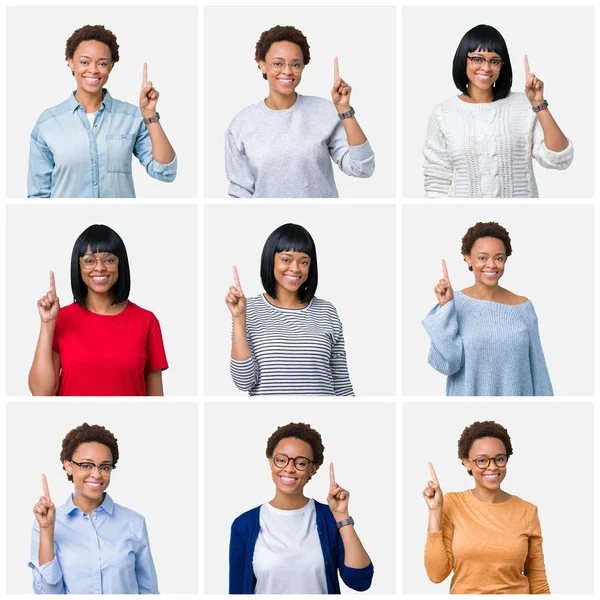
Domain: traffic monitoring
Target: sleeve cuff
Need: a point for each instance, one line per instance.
(50, 573)
(559, 160)
(362, 152)
(166, 169)
(436, 321)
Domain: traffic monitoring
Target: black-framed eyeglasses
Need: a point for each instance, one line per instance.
(478, 61)
(87, 468)
(277, 65)
(483, 462)
(300, 462)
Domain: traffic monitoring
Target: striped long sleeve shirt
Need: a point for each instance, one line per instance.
(294, 351)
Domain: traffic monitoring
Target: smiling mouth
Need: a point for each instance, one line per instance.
(286, 81)
(92, 80)
(93, 484)
(492, 477)
(287, 480)
(100, 279)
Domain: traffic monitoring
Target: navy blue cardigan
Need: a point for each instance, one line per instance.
(244, 533)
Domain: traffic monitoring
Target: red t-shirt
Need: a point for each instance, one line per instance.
(102, 355)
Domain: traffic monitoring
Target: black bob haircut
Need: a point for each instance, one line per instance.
(486, 39)
(100, 238)
(289, 237)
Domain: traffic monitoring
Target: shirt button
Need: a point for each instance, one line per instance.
(92, 141)
(93, 160)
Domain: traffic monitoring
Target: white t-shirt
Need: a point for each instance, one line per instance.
(91, 117)
(288, 558)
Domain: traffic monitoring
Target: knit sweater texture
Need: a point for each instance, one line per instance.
(492, 548)
(294, 351)
(288, 153)
(244, 533)
(485, 150)
(487, 348)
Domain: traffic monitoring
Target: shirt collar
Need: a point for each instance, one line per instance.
(107, 505)
(107, 102)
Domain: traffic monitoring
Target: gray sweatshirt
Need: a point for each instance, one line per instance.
(288, 153)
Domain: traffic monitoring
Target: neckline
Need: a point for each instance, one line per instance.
(283, 308)
(472, 495)
(491, 301)
(89, 312)
(294, 511)
(283, 111)
(481, 105)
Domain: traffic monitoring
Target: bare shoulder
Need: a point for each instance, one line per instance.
(514, 299)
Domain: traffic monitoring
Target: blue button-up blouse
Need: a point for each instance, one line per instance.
(69, 158)
(107, 553)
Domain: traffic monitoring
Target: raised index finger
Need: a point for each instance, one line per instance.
(527, 71)
(45, 487)
(52, 283)
(336, 69)
(145, 75)
(445, 271)
(331, 475)
(432, 474)
(236, 279)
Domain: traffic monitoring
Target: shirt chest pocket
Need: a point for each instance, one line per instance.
(119, 149)
(120, 558)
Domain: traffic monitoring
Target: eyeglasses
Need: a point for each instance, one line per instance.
(89, 262)
(87, 468)
(478, 61)
(277, 66)
(300, 462)
(483, 462)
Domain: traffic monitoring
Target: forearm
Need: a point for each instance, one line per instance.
(46, 550)
(554, 138)
(154, 384)
(354, 133)
(239, 341)
(435, 521)
(162, 151)
(356, 556)
(42, 376)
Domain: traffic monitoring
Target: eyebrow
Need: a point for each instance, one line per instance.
(282, 58)
(497, 253)
(91, 460)
(480, 53)
(85, 56)
(290, 254)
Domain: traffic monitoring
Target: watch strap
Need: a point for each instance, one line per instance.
(347, 114)
(348, 521)
(153, 119)
(539, 107)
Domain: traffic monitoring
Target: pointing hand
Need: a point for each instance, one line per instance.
(443, 290)
(235, 299)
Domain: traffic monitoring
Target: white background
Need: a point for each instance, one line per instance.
(552, 467)
(161, 243)
(155, 476)
(558, 42)
(163, 37)
(551, 264)
(363, 457)
(363, 39)
(356, 260)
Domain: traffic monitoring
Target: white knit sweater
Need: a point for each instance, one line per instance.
(486, 150)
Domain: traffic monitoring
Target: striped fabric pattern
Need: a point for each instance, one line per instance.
(487, 348)
(294, 351)
(485, 150)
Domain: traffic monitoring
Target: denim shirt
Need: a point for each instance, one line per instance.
(107, 553)
(68, 158)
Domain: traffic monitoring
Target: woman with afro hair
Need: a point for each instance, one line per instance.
(82, 148)
(490, 539)
(481, 143)
(282, 147)
(485, 338)
(90, 544)
(293, 544)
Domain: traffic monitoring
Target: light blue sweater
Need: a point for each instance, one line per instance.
(487, 348)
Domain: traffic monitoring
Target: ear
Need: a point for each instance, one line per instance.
(467, 259)
(262, 65)
(71, 65)
(467, 465)
(68, 467)
(112, 64)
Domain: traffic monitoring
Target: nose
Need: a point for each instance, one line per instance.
(287, 69)
(99, 265)
(486, 66)
(290, 467)
(96, 472)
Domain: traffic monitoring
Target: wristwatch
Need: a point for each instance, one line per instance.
(542, 106)
(347, 114)
(348, 521)
(153, 119)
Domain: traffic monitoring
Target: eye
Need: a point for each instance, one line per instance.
(105, 468)
(495, 63)
(89, 261)
(87, 466)
(296, 65)
(277, 63)
(110, 260)
(477, 60)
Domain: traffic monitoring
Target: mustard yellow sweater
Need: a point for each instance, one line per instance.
(492, 548)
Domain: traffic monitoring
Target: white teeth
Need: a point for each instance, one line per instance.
(93, 484)
(288, 479)
(99, 279)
